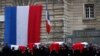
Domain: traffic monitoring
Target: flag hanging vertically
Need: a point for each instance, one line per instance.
(48, 23)
(22, 25)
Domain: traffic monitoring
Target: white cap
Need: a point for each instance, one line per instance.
(16, 47)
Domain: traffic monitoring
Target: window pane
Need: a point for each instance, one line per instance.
(92, 6)
(92, 12)
(87, 9)
(91, 15)
(92, 9)
(87, 15)
(87, 12)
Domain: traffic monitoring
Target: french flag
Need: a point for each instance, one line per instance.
(48, 23)
(22, 25)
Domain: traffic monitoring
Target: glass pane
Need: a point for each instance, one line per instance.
(87, 12)
(1, 34)
(91, 12)
(87, 15)
(87, 9)
(1, 30)
(1, 25)
(91, 9)
(91, 6)
(91, 15)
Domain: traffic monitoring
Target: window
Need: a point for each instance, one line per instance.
(89, 10)
(1, 30)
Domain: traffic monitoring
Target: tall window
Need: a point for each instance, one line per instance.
(89, 10)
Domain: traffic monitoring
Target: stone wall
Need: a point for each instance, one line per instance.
(78, 21)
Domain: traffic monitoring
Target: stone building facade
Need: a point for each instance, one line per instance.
(85, 20)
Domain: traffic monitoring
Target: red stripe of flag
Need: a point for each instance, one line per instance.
(34, 24)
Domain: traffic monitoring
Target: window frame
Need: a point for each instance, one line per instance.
(89, 16)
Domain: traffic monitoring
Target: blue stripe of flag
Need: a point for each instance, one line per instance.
(10, 25)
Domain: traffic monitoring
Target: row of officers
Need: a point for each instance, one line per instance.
(45, 51)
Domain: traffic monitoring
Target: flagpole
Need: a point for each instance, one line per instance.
(47, 38)
(47, 33)
(46, 4)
